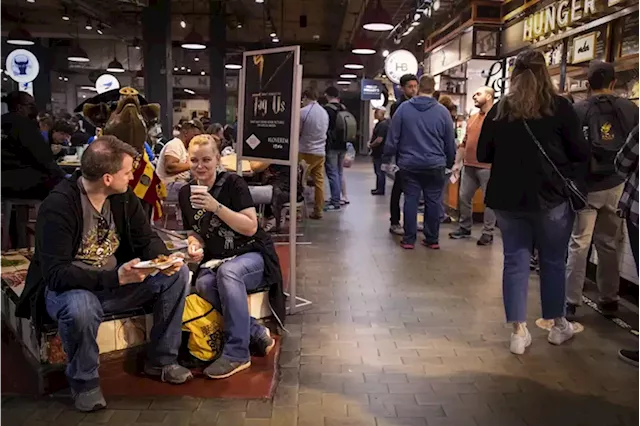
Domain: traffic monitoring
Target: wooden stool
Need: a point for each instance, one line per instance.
(8, 205)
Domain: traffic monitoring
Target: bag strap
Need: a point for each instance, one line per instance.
(542, 151)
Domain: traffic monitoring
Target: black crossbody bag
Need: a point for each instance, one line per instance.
(577, 199)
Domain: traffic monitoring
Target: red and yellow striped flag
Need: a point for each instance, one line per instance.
(147, 185)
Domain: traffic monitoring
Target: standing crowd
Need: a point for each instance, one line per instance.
(555, 176)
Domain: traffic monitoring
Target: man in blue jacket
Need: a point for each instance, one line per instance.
(422, 140)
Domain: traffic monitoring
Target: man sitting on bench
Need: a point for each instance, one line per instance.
(90, 233)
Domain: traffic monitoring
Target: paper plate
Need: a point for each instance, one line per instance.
(547, 324)
(149, 264)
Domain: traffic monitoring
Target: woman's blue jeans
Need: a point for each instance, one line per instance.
(226, 289)
(550, 231)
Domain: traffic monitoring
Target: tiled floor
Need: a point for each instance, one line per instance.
(401, 338)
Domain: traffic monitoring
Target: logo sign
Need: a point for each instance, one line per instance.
(107, 82)
(399, 63)
(556, 16)
(370, 90)
(22, 66)
(26, 87)
(584, 48)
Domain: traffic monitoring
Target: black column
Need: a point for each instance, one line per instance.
(217, 49)
(158, 63)
(42, 83)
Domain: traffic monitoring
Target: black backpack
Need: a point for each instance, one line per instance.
(346, 125)
(605, 128)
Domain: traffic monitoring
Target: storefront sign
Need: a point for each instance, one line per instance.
(584, 48)
(22, 66)
(629, 37)
(106, 82)
(370, 89)
(556, 16)
(268, 107)
(399, 63)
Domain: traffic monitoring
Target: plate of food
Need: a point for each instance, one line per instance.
(161, 262)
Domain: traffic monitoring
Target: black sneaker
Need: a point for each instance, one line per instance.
(571, 311)
(262, 345)
(222, 368)
(459, 234)
(485, 240)
(608, 308)
(630, 357)
(376, 192)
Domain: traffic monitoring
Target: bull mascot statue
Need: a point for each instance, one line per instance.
(125, 114)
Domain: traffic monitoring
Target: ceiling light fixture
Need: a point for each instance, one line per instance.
(175, 68)
(89, 88)
(353, 63)
(415, 23)
(196, 59)
(385, 53)
(376, 18)
(202, 73)
(409, 30)
(136, 43)
(348, 76)
(183, 24)
(31, 1)
(363, 46)
(239, 25)
(77, 54)
(188, 69)
(66, 78)
(189, 91)
(183, 68)
(20, 37)
(417, 16)
(88, 26)
(273, 34)
(100, 29)
(233, 66)
(194, 41)
(343, 82)
(115, 66)
(260, 1)
(436, 5)
(275, 40)
(65, 15)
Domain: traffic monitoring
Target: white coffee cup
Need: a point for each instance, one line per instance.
(198, 189)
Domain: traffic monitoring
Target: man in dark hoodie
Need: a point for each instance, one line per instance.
(91, 233)
(422, 140)
(409, 84)
(607, 121)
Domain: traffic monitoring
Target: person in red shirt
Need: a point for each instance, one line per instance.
(474, 173)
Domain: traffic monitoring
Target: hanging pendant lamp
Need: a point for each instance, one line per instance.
(362, 46)
(353, 63)
(194, 41)
(376, 18)
(115, 66)
(77, 54)
(19, 36)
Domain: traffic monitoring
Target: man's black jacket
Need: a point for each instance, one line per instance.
(59, 235)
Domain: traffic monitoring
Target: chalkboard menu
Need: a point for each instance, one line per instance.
(268, 104)
(629, 38)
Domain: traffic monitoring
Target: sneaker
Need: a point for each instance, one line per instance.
(407, 246)
(376, 192)
(331, 208)
(608, 308)
(87, 401)
(396, 229)
(485, 240)
(560, 333)
(571, 311)
(172, 373)
(459, 234)
(344, 202)
(432, 246)
(520, 341)
(446, 219)
(315, 216)
(222, 368)
(630, 357)
(270, 225)
(262, 345)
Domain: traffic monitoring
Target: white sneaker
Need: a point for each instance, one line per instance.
(558, 335)
(519, 342)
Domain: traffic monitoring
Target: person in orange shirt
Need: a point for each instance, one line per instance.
(475, 174)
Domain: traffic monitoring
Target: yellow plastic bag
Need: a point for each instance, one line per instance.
(204, 325)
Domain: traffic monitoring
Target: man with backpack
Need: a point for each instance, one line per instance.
(606, 121)
(342, 130)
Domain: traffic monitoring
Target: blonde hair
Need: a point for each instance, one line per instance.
(204, 140)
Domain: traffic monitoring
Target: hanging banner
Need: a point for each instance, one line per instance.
(370, 89)
(269, 104)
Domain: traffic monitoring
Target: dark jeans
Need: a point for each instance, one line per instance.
(79, 314)
(381, 177)
(430, 183)
(226, 289)
(550, 230)
(632, 229)
(396, 193)
(334, 167)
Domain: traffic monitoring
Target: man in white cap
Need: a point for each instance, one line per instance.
(377, 147)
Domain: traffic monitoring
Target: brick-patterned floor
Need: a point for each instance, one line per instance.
(399, 338)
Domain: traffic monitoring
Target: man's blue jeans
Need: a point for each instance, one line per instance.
(381, 177)
(430, 183)
(550, 231)
(226, 289)
(79, 314)
(333, 167)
